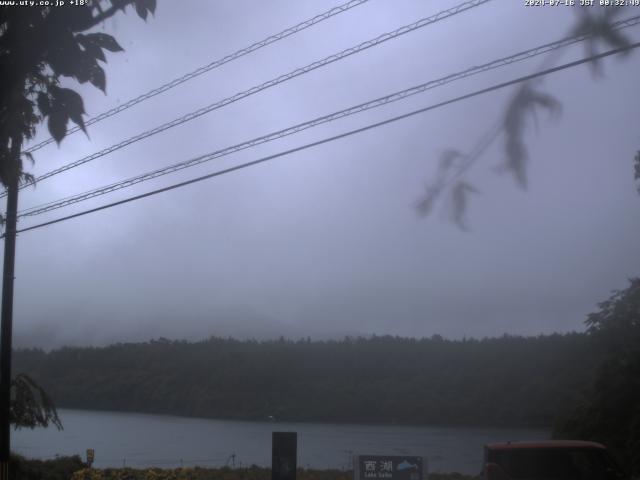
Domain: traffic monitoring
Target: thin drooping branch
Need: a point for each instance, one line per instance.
(513, 123)
(31, 406)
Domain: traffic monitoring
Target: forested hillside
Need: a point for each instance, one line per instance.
(499, 381)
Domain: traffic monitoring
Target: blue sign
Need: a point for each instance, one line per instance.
(386, 467)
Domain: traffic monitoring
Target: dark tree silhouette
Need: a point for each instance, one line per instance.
(379, 379)
(31, 406)
(38, 46)
(610, 410)
(599, 28)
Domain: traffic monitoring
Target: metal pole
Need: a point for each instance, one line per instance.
(6, 327)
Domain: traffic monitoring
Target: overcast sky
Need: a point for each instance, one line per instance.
(326, 242)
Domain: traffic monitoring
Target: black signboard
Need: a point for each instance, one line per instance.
(284, 455)
(386, 467)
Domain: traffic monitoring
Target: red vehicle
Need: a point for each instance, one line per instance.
(549, 460)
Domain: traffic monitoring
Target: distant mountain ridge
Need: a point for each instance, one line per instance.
(505, 381)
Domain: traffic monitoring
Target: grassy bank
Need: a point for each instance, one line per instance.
(253, 473)
(62, 468)
(72, 468)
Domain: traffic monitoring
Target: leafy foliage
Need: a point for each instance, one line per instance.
(30, 405)
(379, 379)
(449, 159)
(31, 70)
(522, 106)
(610, 410)
(72, 468)
(618, 319)
(598, 26)
(452, 164)
(460, 193)
(57, 469)
(252, 473)
(38, 46)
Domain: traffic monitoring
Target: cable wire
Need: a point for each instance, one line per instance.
(206, 68)
(378, 102)
(371, 126)
(271, 83)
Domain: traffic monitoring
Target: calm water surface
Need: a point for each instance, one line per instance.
(140, 440)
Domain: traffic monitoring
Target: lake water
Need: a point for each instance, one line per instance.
(140, 440)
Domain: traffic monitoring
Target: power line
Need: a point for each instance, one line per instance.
(215, 64)
(276, 81)
(378, 102)
(476, 93)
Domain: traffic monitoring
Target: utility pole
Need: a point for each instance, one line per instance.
(6, 322)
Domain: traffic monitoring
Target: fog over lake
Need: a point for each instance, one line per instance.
(432, 259)
(327, 242)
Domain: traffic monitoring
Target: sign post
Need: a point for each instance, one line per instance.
(388, 467)
(90, 456)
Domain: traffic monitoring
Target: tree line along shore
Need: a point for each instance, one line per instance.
(505, 381)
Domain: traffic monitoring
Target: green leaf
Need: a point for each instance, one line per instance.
(69, 98)
(44, 104)
(29, 155)
(86, 64)
(98, 78)
(460, 201)
(95, 51)
(65, 56)
(58, 125)
(101, 40)
(141, 8)
(448, 158)
(30, 405)
(521, 107)
(424, 205)
(27, 178)
(151, 6)
(72, 102)
(600, 31)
